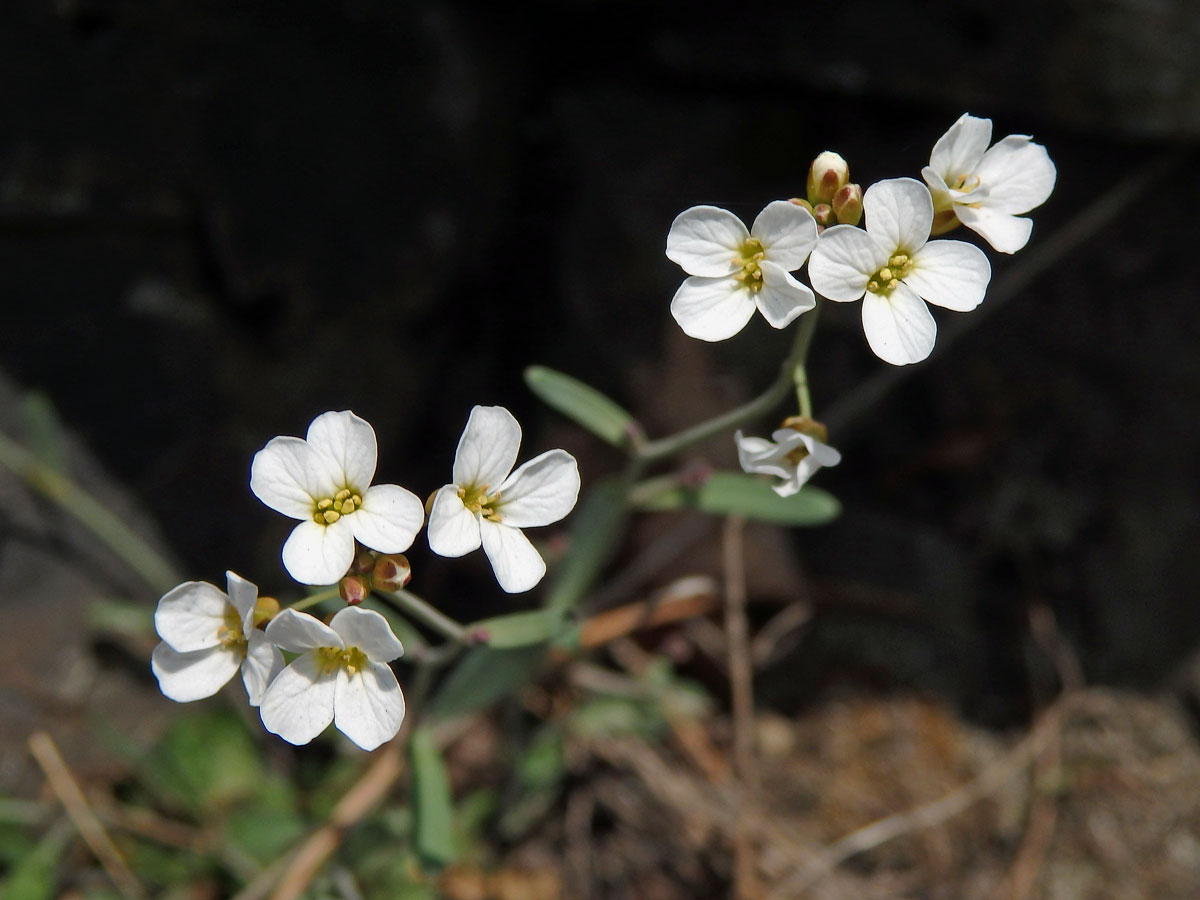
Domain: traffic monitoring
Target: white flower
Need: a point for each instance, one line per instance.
(489, 504)
(341, 676)
(207, 636)
(988, 188)
(892, 264)
(735, 271)
(325, 482)
(790, 455)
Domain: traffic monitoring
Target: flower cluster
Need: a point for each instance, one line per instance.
(890, 263)
(349, 533)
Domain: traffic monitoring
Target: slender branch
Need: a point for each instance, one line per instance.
(763, 403)
(143, 559)
(317, 597)
(412, 605)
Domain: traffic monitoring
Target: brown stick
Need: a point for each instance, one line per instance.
(62, 782)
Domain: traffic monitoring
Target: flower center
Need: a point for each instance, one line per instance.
(749, 258)
(964, 183)
(479, 501)
(344, 502)
(885, 280)
(330, 659)
(231, 634)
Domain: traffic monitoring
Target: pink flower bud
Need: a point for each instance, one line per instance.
(826, 175)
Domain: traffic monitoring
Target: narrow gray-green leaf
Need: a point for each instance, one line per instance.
(736, 493)
(596, 527)
(433, 809)
(581, 403)
(519, 629)
(484, 675)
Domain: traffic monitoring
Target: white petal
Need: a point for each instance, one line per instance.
(1018, 175)
(517, 565)
(288, 475)
(760, 456)
(711, 309)
(453, 529)
(950, 274)
(349, 441)
(389, 519)
(899, 327)
(782, 298)
(184, 677)
(705, 239)
(189, 616)
(488, 447)
(787, 232)
(844, 261)
(243, 595)
(899, 213)
(368, 631)
(960, 149)
(298, 632)
(369, 705)
(262, 663)
(1006, 233)
(299, 703)
(319, 554)
(541, 491)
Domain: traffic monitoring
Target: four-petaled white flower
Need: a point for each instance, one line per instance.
(791, 455)
(341, 676)
(898, 269)
(988, 188)
(325, 482)
(207, 636)
(734, 271)
(489, 504)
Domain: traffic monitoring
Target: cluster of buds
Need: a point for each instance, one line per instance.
(832, 198)
(374, 571)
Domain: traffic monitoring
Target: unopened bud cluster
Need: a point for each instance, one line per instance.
(831, 197)
(374, 571)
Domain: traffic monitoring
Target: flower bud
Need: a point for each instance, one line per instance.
(354, 589)
(823, 213)
(265, 609)
(826, 175)
(392, 572)
(364, 562)
(847, 204)
(799, 202)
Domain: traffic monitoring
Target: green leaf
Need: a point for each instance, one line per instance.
(36, 876)
(595, 529)
(43, 431)
(582, 404)
(736, 493)
(433, 809)
(207, 761)
(484, 675)
(519, 629)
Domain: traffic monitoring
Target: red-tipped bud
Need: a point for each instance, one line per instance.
(823, 213)
(392, 572)
(800, 202)
(847, 204)
(354, 589)
(827, 174)
(364, 562)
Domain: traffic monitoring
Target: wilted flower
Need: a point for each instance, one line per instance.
(794, 454)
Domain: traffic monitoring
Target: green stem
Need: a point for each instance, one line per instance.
(412, 605)
(800, 377)
(763, 403)
(110, 529)
(318, 597)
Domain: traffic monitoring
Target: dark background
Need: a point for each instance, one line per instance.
(220, 219)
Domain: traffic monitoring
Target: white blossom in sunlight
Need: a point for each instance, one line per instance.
(207, 636)
(790, 455)
(897, 269)
(341, 675)
(734, 271)
(489, 503)
(988, 188)
(325, 482)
